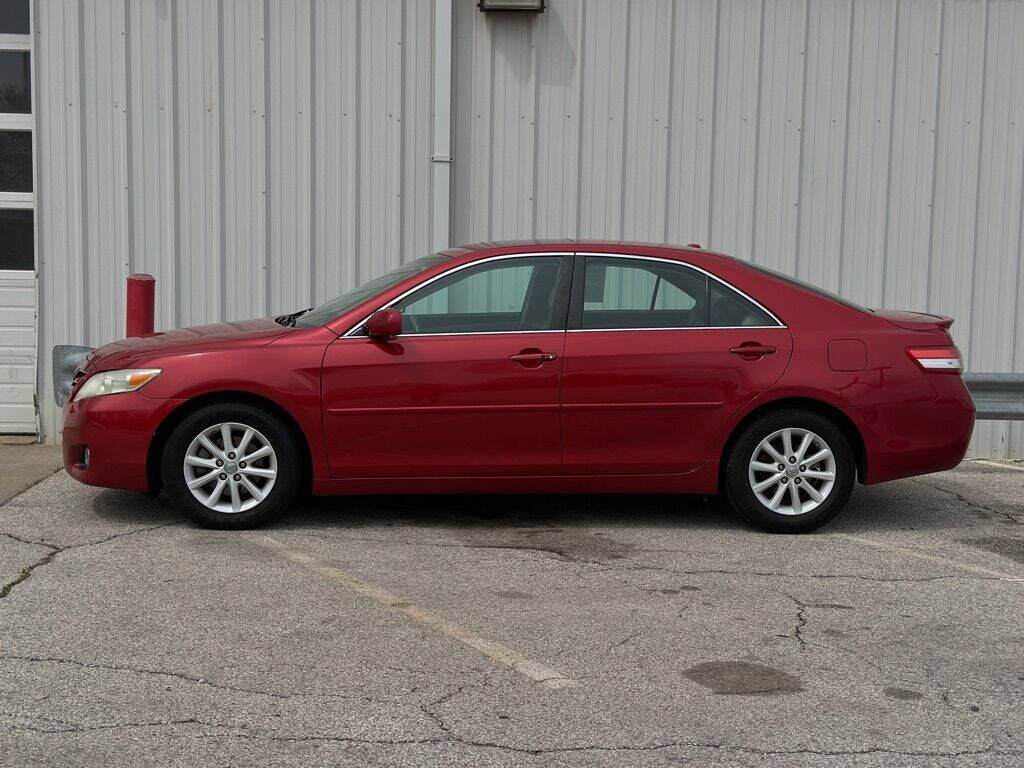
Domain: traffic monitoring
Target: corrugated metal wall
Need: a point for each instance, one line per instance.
(873, 147)
(260, 155)
(256, 156)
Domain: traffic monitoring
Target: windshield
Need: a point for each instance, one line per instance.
(807, 286)
(339, 306)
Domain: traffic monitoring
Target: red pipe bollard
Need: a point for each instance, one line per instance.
(141, 300)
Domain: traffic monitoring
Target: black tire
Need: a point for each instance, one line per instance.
(736, 477)
(271, 428)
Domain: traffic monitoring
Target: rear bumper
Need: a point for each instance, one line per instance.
(117, 430)
(915, 439)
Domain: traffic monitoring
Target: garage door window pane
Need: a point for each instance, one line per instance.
(16, 250)
(14, 17)
(15, 90)
(15, 161)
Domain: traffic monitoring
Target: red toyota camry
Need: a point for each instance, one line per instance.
(531, 367)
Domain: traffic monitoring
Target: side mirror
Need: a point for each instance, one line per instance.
(384, 324)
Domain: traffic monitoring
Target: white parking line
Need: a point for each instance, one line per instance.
(975, 569)
(502, 654)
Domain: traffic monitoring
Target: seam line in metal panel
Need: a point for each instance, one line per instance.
(846, 152)
(971, 332)
(670, 122)
(625, 121)
(221, 168)
(129, 156)
(357, 136)
(175, 155)
(267, 233)
(579, 118)
(714, 120)
(313, 152)
(84, 166)
(935, 154)
(536, 132)
(889, 174)
(803, 130)
(403, 89)
(757, 136)
(490, 141)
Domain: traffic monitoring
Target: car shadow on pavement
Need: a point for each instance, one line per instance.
(527, 510)
(901, 505)
(895, 506)
(133, 509)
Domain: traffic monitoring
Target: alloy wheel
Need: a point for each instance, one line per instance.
(230, 467)
(792, 471)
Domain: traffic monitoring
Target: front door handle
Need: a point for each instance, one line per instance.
(532, 359)
(750, 350)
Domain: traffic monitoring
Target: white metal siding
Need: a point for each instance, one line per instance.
(254, 156)
(873, 147)
(17, 352)
(261, 155)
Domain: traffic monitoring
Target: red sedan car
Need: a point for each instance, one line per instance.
(531, 367)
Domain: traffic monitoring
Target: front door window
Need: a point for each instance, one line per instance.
(503, 295)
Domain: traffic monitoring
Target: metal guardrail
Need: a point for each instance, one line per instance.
(997, 395)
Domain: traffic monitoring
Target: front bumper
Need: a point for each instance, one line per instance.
(117, 430)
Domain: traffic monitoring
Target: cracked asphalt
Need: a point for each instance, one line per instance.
(429, 630)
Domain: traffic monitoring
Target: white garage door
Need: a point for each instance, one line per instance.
(17, 352)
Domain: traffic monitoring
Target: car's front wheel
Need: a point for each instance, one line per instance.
(789, 471)
(231, 466)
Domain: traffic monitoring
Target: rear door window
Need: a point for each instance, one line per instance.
(620, 293)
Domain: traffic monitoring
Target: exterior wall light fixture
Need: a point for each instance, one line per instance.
(534, 6)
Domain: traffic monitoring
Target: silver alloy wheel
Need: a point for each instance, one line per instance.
(230, 467)
(792, 471)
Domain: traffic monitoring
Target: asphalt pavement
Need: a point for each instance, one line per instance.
(516, 631)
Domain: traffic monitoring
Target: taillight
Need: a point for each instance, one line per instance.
(937, 359)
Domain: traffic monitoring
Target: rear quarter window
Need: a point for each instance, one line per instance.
(728, 309)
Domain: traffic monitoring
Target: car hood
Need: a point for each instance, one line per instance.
(239, 334)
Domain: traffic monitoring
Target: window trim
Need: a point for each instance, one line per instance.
(21, 43)
(576, 302)
(353, 331)
(17, 201)
(16, 121)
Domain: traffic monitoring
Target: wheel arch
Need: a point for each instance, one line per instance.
(175, 417)
(844, 423)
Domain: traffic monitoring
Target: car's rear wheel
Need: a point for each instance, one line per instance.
(789, 471)
(231, 466)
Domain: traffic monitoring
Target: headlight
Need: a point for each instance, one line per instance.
(112, 382)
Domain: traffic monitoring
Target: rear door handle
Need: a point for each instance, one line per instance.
(533, 358)
(752, 351)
